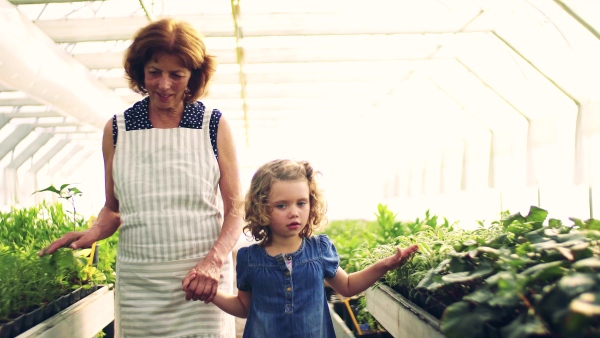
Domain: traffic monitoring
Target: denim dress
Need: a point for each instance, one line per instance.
(284, 303)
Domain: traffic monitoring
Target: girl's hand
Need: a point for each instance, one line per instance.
(401, 256)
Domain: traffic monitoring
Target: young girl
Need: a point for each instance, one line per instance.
(280, 279)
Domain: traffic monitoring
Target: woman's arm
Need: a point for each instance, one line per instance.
(204, 287)
(236, 305)
(352, 284)
(108, 220)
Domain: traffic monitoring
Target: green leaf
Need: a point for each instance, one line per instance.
(481, 295)
(577, 283)
(50, 188)
(578, 223)
(592, 224)
(519, 228)
(431, 280)
(470, 242)
(524, 326)
(82, 252)
(462, 320)
(514, 218)
(500, 277)
(76, 191)
(587, 303)
(536, 236)
(592, 263)
(536, 214)
(554, 223)
(545, 271)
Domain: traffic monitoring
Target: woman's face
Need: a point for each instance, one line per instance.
(166, 80)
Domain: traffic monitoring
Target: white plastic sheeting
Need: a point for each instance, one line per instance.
(432, 103)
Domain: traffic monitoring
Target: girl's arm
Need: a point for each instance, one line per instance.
(236, 305)
(352, 284)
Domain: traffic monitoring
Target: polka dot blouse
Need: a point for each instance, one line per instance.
(137, 118)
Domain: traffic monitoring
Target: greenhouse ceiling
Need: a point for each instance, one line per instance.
(387, 80)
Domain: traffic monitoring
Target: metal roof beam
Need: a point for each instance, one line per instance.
(31, 115)
(19, 102)
(220, 25)
(12, 140)
(40, 163)
(29, 151)
(52, 76)
(42, 2)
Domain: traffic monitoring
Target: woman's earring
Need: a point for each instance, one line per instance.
(187, 92)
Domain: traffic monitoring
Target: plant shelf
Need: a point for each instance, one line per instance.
(85, 318)
(400, 316)
(339, 326)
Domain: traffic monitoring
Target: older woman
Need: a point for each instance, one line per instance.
(166, 158)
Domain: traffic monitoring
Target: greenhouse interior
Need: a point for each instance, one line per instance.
(468, 127)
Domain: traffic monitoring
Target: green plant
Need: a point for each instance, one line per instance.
(67, 193)
(349, 237)
(28, 281)
(364, 316)
(522, 276)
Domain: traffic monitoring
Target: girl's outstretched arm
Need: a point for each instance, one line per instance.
(236, 305)
(352, 284)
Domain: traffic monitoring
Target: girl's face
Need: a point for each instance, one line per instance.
(166, 80)
(290, 207)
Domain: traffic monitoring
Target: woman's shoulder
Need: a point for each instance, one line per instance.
(139, 106)
(136, 116)
(200, 107)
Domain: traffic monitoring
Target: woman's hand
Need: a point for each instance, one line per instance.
(73, 240)
(201, 282)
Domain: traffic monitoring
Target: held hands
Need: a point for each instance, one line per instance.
(73, 240)
(401, 256)
(202, 281)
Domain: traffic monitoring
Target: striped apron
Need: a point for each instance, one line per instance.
(166, 181)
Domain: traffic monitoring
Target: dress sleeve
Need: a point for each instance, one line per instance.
(242, 270)
(331, 260)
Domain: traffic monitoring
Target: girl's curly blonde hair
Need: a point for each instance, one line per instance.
(256, 204)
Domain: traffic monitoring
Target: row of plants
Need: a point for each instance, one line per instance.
(520, 276)
(34, 288)
(361, 242)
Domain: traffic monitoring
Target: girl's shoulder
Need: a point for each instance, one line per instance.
(321, 238)
(322, 241)
(251, 252)
(248, 249)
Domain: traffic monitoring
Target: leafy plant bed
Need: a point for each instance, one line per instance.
(521, 277)
(24, 322)
(424, 299)
(34, 288)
